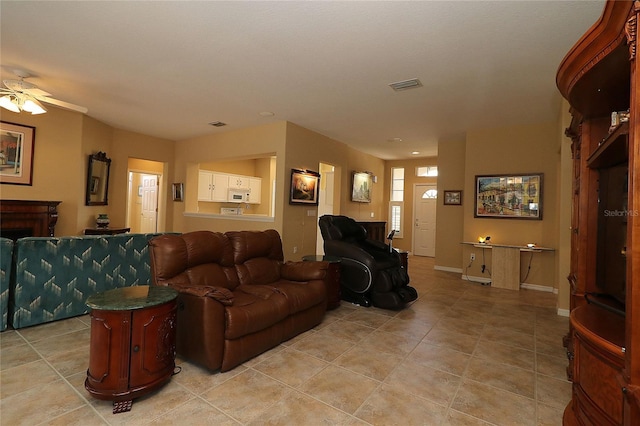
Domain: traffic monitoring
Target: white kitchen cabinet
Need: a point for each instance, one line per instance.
(255, 190)
(212, 186)
(238, 182)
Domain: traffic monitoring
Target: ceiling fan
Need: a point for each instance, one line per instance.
(20, 95)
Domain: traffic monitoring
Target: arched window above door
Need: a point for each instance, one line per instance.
(430, 193)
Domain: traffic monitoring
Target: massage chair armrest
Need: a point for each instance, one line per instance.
(350, 251)
(304, 271)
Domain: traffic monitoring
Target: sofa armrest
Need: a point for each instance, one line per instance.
(304, 271)
(221, 294)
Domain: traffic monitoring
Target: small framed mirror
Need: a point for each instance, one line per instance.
(98, 179)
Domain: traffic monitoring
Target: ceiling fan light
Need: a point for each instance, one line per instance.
(33, 106)
(7, 103)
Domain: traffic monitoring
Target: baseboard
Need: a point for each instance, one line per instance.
(539, 288)
(481, 280)
(447, 269)
(563, 312)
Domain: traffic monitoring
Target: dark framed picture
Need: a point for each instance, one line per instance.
(452, 198)
(305, 187)
(361, 188)
(509, 196)
(178, 191)
(16, 153)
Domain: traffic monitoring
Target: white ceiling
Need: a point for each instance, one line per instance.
(167, 69)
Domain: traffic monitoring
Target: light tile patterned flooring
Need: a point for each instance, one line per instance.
(463, 354)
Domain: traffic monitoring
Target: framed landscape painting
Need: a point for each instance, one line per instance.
(305, 187)
(16, 153)
(509, 196)
(361, 189)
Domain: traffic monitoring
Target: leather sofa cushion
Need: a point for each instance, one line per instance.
(250, 313)
(201, 257)
(302, 296)
(251, 244)
(259, 271)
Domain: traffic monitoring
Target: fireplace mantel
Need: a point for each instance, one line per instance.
(28, 218)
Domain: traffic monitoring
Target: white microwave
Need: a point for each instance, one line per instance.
(238, 195)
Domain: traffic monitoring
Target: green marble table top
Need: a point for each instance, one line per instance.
(128, 298)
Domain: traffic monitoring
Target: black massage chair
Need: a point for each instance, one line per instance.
(371, 271)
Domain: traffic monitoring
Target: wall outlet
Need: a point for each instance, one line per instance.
(472, 257)
(372, 214)
(295, 250)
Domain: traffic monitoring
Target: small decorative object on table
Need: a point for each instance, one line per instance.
(102, 221)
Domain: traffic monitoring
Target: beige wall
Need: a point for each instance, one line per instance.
(306, 150)
(515, 150)
(63, 142)
(59, 166)
(450, 219)
(257, 142)
(129, 145)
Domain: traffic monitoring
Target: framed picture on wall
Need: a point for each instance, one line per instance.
(361, 188)
(16, 153)
(452, 198)
(178, 191)
(305, 187)
(509, 196)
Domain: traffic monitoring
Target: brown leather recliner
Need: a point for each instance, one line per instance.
(237, 297)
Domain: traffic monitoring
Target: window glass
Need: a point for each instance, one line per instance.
(427, 171)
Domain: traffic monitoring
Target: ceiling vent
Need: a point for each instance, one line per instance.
(217, 124)
(413, 83)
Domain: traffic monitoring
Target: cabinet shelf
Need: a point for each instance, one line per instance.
(613, 150)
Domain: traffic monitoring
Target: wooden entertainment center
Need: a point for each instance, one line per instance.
(599, 77)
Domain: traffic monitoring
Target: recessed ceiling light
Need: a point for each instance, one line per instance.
(217, 124)
(415, 152)
(267, 114)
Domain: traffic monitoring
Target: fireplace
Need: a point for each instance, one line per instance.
(26, 218)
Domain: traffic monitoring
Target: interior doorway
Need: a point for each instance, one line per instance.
(143, 193)
(326, 203)
(425, 198)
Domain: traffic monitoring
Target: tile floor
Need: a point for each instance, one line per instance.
(463, 354)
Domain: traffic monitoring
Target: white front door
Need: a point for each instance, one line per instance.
(424, 213)
(149, 219)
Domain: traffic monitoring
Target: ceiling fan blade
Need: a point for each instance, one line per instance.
(36, 92)
(62, 104)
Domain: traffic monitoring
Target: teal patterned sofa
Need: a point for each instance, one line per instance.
(6, 254)
(55, 276)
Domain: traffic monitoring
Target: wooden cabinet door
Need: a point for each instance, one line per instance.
(153, 347)
(108, 372)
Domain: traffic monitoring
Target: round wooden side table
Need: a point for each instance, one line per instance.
(333, 278)
(133, 343)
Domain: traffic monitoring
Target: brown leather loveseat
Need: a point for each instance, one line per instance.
(237, 297)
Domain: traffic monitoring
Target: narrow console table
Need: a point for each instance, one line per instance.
(506, 263)
(133, 343)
